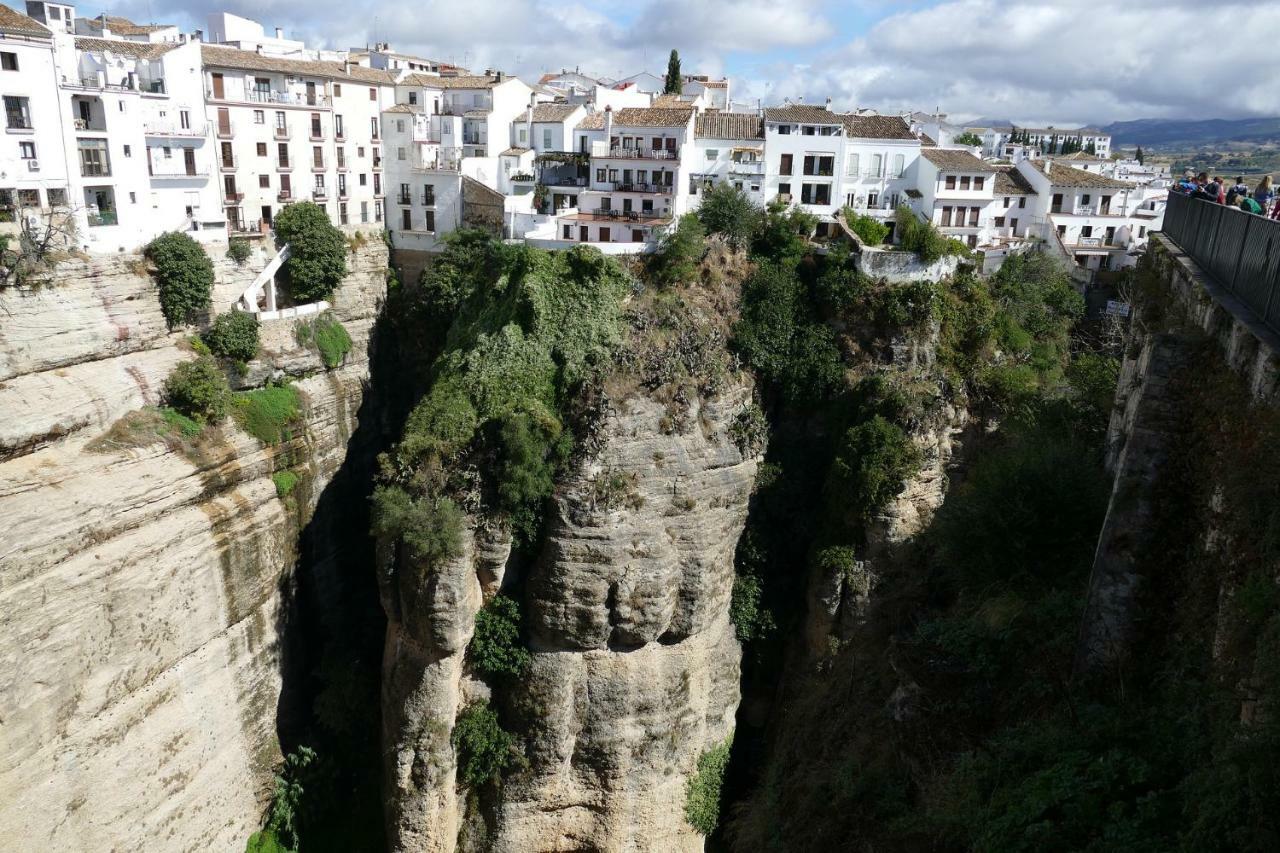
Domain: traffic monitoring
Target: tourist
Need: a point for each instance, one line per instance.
(1248, 205)
(1210, 189)
(1240, 188)
(1264, 195)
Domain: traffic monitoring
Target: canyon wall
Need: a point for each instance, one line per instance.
(143, 589)
(635, 667)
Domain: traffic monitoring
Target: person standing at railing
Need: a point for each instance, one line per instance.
(1248, 205)
(1240, 188)
(1264, 195)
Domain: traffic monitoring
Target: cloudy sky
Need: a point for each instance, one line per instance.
(1032, 61)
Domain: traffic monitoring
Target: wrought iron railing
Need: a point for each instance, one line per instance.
(1239, 250)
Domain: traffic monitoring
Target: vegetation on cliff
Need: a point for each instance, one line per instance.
(317, 251)
(184, 275)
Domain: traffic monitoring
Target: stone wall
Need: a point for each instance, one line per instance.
(898, 267)
(141, 592)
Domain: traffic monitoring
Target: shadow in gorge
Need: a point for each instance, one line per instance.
(332, 633)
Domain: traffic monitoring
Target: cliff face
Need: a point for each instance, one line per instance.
(635, 666)
(141, 592)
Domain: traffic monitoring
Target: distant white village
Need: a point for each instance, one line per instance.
(133, 130)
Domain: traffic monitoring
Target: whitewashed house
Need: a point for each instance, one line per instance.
(803, 145)
(728, 148)
(957, 191)
(878, 151)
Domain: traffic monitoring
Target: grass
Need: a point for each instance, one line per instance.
(199, 444)
(285, 482)
(329, 338)
(268, 413)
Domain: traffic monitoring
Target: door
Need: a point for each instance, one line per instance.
(311, 94)
(1057, 203)
(285, 188)
(224, 120)
(266, 214)
(582, 233)
(604, 235)
(228, 159)
(85, 112)
(219, 91)
(784, 168)
(189, 158)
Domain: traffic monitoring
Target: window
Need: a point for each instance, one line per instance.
(999, 221)
(973, 216)
(259, 117)
(1013, 223)
(362, 179)
(184, 119)
(808, 130)
(637, 236)
(373, 127)
(280, 121)
(28, 150)
(978, 183)
(264, 181)
(819, 165)
(815, 193)
(605, 236)
(58, 197)
(851, 166)
(1006, 202)
(713, 153)
(338, 130)
(546, 139)
(413, 98)
(337, 90)
(600, 175)
(945, 220)
(373, 95)
(94, 162)
(262, 149)
(785, 190)
(28, 198)
(428, 194)
(8, 61)
(400, 153)
(873, 200)
(784, 129)
(964, 182)
(877, 165)
(826, 131)
(1084, 199)
(899, 165)
(1086, 231)
(128, 151)
(359, 150)
(17, 113)
(431, 220)
(1142, 229)
(342, 213)
(523, 137)
(1022, 202)
(784, 166)
(951, 182)
(568, 232)
(406, 219)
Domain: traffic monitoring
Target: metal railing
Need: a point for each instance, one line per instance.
(1240, 251)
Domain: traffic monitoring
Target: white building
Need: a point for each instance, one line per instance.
(33, 166)
(803, 144)
(957, 193)
(728, 148)
(877, 155)
(714, 93)
(288, 128)
(1050, 139)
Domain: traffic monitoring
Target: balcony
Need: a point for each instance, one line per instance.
(232, 197)
(428, 200)
(404, 198)
(95, 170)
(271, 96)
(103, 217)
(342, 166)
(284, 195)
(340, 135)
(744, 167)
(615, 215)
(185, 173)
(317, 133)
(225, 131)
(320, 194)
(281, 132)
(622, 187)
(283, 164)
(602, 149)
(197, 129)
(377, 164)
(89, 125)
(318, 165)
(228, 164)
(343, 193)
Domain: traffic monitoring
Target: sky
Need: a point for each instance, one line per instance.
(1035, 62)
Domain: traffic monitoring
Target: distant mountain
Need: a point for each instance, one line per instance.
(1183, 133)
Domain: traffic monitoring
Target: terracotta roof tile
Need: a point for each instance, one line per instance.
(592, 121)
(802, 113)
(400, 108)
(1065, 176)
(219, 56)
(955, 160)
(19, 24)
(123, 26)
(728, 126)
(136, 49)
(461, 81)
(877, 127)
(652, 117)
(1009, 181)
(515, 151)
(553, 112)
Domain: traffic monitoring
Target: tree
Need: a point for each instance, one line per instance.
(234, 335)
(674, 81)
(317, 251)
(1139, 156)
(729, 212)
(183, 273)
(199, 390)
(968, 138)
(676, 259)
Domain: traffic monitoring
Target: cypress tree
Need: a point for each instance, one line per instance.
(674, 83)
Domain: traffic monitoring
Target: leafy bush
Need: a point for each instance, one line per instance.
(751, 619)
(871, 231)
(702, 792)
(750, 430)
(484, 748)
(923, 238)
(730, 212)
(283, 820)
(239, 250)
(430, 528)
(495, 647)
(198, 389)
(285, 482)
(329, 337)
(529, 453)
(968, 138)
(184, 274)
(234, 334)
(317, 251)
(783, 233)
(676, 259)
(268, 413)
(870, 468)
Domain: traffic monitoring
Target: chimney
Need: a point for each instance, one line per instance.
(280, 32)
(106, 30)
(608, 123)
(528, 116)
(827, 107)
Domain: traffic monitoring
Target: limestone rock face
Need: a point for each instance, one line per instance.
(141, 592)
(635, 667)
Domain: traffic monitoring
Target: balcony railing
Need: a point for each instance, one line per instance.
(284, 195)
(377, 164)
(18, 122)
(89, 125)
(199, 128)
(232, 197)
(317, 133)
(626, 215)
(187, 172)
(403, 198)
(103, 217)
(227, 164)
(281, 132)
(603, 149)
(271, 96)
(342, 165)
(343, 192)
(428, 200)
(95, 170)
(625, 187)
(320, 193)
(318, 165)
(225, 131)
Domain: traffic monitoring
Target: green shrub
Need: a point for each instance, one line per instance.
(483, 747)
(285, 817)
(871, 231)
(871, 466)
(268, 414)
(750, 430)
(265, 841)
(234, 334)
(702, 792)
(329, 337)
(968, 138)
(920, 237)
(905, 306)
(783, 233)
(184, 274)
(317, 251)
(729, 212)
(751, 619)
(198, 389)
(495, 647)
(239, 250)
(285, 482)
(677, 257)
(180, 423)
(430, 528)
(529, 453)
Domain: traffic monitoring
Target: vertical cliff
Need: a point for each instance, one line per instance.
(144, 586)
